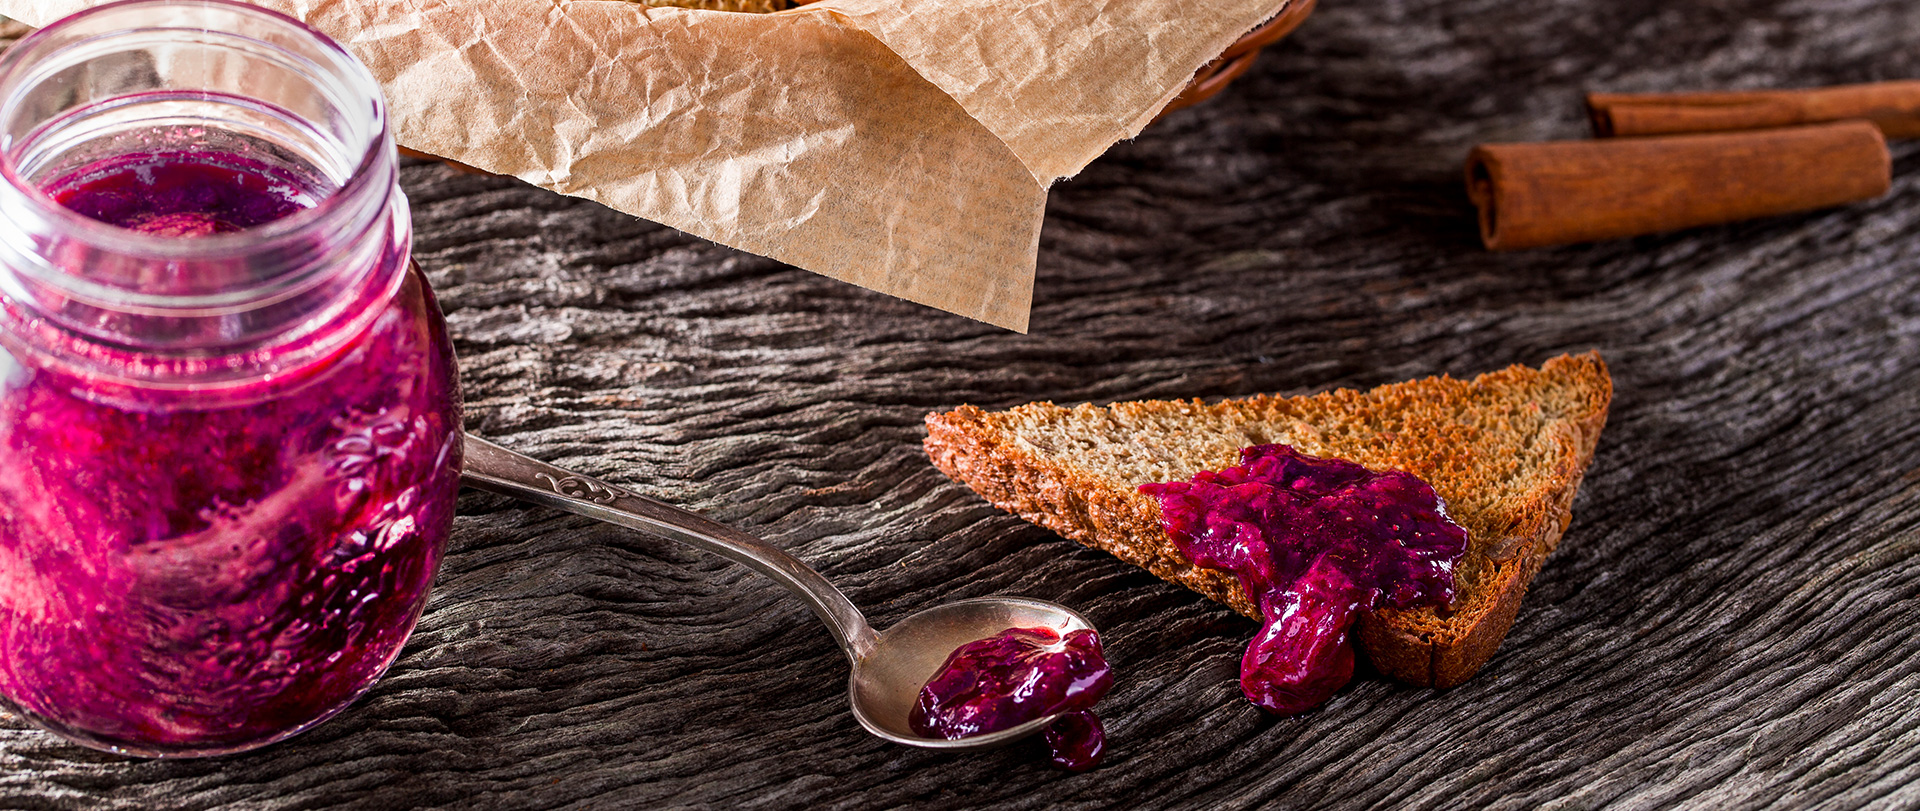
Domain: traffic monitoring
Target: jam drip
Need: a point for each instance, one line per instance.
(1017, 676)
(1314, 542)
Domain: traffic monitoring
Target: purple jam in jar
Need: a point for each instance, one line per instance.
(1313, 542)
(1017, 676)
(229, 416)
(183, 194)
(186, 571)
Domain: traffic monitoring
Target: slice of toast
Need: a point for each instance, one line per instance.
(1506, 451)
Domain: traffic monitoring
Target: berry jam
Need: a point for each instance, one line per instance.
(183, 194)
(1022, 674)
(1313, 542)
(184, 573)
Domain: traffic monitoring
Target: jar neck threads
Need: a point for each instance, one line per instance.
(133, 85)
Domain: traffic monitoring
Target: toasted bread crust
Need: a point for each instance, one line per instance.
(1508, 544)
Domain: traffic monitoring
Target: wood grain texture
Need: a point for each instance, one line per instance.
(1733, 620)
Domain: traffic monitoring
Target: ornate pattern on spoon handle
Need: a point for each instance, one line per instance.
(585, 489)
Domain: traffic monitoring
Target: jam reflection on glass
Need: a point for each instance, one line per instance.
(186, 572)
(1313, 542)
(1017, 676)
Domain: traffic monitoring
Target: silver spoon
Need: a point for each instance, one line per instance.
(888, 668)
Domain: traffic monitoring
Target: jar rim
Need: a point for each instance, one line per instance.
(17, 67)
(175, 79)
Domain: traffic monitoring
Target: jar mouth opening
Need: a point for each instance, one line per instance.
(129, 242)
(36, 58)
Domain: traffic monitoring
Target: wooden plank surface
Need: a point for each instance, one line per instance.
(1733, 620)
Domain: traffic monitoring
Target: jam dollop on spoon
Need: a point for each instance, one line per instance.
(1314, 542)
(1017, 676)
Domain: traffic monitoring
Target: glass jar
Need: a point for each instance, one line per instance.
(229, 421)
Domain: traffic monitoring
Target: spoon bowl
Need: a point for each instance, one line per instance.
(886, 683)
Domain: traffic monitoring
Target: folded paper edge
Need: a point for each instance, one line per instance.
(1048, 169)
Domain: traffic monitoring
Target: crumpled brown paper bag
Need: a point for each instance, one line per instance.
(902, 145)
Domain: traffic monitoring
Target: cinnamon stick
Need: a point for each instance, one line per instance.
(1536, 194)
(1892, 106)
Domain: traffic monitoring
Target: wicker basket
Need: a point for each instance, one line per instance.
(1214, 76)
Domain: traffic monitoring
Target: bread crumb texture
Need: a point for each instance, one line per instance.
(1505, 450)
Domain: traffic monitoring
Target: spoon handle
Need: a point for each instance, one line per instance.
(495, 469)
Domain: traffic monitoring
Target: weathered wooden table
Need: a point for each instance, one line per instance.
(1732, 621)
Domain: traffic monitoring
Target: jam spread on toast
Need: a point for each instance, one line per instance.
(1314, 542)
